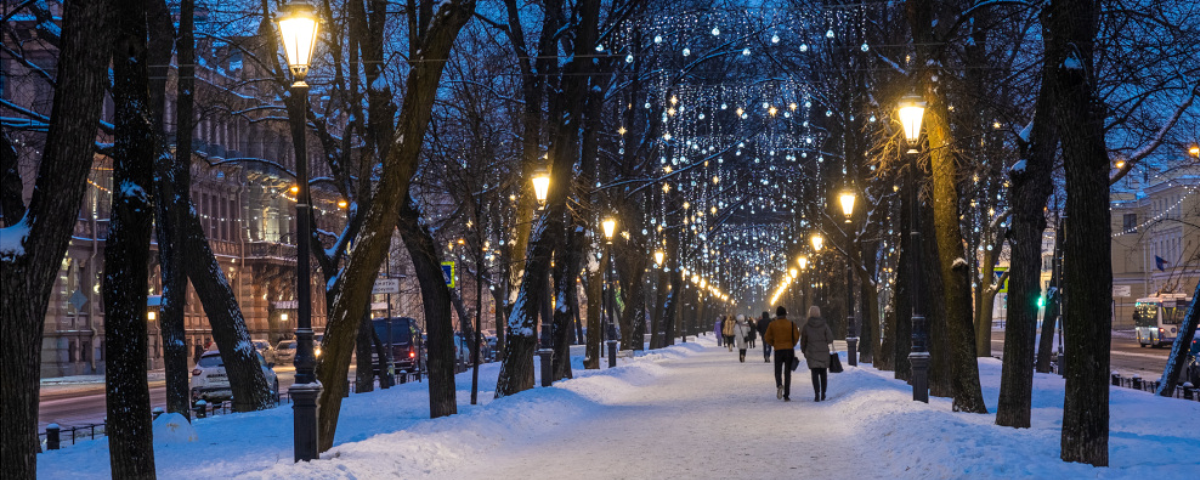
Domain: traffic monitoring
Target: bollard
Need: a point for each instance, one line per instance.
(201, 409)
(157, 412)
(52, 436)
(1116, 379)
(546, 356)
(1188, 393)
(1137, 382)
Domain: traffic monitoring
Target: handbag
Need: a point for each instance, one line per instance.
(835, 362)
(795, 363)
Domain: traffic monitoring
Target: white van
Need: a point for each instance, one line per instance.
(1158, 318)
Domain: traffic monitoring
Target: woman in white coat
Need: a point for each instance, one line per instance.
(741, 330)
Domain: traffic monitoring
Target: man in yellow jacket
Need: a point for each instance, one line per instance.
(782, 335)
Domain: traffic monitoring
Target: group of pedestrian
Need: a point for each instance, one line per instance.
(783, 335)
(736, 332)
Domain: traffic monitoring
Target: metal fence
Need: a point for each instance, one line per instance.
(55, 437)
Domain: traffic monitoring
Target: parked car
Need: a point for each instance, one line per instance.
(211, 384)
(264, 348)
(403, 347)
(285, 352)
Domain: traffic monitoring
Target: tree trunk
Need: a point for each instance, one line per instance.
(429, 45)
(1087, 321)
(435, 300)
(364, 375)
(246, 380)
(565, 269)
(902, 295)
(516, 372)
(127, 252)
(28, 274)
(595, 306)
(885, 360)
(172, 179)
(955, 272)
(1030, 188)
(1052, 311)
(869, 307)
(933, 298)
(632, 271)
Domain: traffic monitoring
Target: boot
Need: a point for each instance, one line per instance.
(742, 358)
(822, 396)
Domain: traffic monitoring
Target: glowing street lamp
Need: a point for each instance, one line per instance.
(541, 187)
(803, 261)
(658, 257)
(847, 198)
(817, 242)
(912, 111)
(610, 227)
(1194, 150)
(298, 32)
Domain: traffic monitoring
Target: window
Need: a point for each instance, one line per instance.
(1129, 223)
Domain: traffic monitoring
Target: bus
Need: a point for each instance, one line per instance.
(1158, 318)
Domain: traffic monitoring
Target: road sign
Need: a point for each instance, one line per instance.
(1122, 291)
(998, 271)
(448, 273)
(78, 299)
(386, 285)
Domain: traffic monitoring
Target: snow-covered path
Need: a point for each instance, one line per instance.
(687, 411)
(707, 417)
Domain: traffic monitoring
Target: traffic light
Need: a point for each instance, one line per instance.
(1041, 301)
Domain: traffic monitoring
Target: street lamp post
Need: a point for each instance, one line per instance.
(847, 200)
(610, 227)
(298, 31)
(541, 188)
(911, 111)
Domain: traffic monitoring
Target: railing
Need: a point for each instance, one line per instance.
(1185, 391)
(53, 437)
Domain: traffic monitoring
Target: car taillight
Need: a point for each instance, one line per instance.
(197, 372)
(412, 354)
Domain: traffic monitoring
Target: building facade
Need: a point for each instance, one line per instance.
(1156, 239)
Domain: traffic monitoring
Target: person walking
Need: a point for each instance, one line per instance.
(741, 334)
(717, 332)
(782, 334)
(814, 342)
(762, 331)
(727, 330)
(751, 331)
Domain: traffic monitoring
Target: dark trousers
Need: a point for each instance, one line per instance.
(820, 379)
(767, 351)
(783, 369)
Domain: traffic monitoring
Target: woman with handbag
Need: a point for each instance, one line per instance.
(814, 342)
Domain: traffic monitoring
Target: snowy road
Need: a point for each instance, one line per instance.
(707, 417)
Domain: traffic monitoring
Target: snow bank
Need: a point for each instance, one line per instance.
(1150, 437)
(382, 434)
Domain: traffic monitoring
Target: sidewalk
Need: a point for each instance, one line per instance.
(707, 416)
